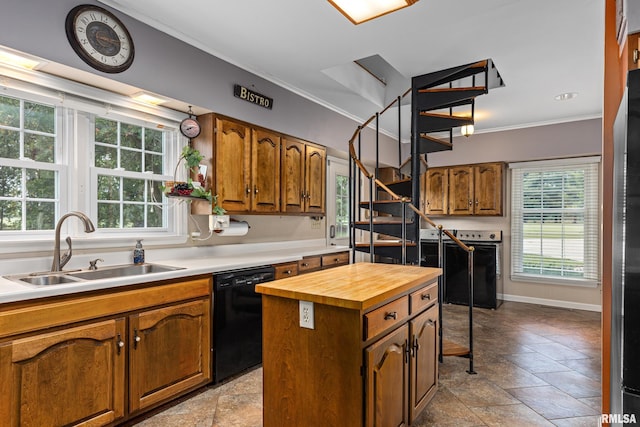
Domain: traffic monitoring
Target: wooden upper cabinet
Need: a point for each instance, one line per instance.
(265, 171)
(256, 170)
(292, 182)
(67, 377)
(303, 177)
(232, 171)
(465, 189)
(488, 189)
(461, 190)
(315, 171)
(436, 187)
(633, 48)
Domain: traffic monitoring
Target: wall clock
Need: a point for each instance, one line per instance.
(99, 38)
(190, 126)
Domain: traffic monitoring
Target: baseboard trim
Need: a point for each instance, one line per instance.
(552, 302)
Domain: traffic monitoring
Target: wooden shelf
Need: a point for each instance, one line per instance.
(450, 348)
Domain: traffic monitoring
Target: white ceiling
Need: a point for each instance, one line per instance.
(541, 47)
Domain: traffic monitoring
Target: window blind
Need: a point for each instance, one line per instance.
(555, 222)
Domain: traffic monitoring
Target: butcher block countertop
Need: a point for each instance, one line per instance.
(359, 286)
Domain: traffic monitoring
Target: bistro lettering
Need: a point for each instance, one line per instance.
(252, 97)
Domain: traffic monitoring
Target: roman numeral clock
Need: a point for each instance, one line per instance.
(99, 38)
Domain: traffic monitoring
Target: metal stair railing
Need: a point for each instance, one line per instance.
(373, 182)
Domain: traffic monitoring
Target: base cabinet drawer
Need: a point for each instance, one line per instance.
(335, 260)
(287, 269)
(309, 264)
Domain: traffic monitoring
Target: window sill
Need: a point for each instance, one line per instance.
(555, 281)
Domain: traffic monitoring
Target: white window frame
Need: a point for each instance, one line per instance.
(592, 221)
(76, 104)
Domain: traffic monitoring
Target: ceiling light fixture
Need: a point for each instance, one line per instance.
(565, 96)
(359, 11)
(148, 98)
(466, 130)
(17, 60)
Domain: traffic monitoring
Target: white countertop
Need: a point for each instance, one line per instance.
(193, 260)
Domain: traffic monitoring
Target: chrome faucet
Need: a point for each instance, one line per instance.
(60, 261)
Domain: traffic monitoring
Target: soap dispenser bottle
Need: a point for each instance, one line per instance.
(138, 253)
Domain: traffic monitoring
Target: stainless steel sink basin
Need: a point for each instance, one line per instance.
(122, 270)
(46, 279)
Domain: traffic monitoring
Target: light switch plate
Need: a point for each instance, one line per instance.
(306, 314)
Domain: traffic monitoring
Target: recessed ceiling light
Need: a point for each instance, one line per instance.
(19, 60)
(359, 11)
(566, 96)
(148, 98)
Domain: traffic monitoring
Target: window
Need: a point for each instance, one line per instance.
(29, 165)
(67, 147)
(129, 171)
(555, 221)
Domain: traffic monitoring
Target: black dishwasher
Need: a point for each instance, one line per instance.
(237, 324)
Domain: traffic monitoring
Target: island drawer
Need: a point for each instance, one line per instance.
(385, 317)
(422, 298)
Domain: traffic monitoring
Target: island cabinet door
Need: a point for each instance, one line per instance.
(387, 382)
(424, 362)
(68, 377)
(169, 352)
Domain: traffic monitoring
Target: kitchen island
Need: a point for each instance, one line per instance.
(352, 346)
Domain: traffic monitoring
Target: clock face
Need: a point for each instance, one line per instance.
(190, 128)
(99, 38)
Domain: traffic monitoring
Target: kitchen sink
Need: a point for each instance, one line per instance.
(122, 270)
(58, 278)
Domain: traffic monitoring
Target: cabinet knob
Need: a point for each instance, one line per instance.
(393, 315)
(119, 343)
(305, 264)
(302, 196)
(248, 190)
(470, 202)
(288, 272)
(477, 201)
(255, 189)
(136, 338)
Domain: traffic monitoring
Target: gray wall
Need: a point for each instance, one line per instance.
(167, 66)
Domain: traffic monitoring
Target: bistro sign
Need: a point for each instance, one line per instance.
(252, 97)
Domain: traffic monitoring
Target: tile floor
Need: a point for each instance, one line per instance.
(536, 366)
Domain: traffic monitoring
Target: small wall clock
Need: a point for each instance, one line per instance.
(190, 126)
(99, 38)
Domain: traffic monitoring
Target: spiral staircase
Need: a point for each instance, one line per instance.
(440, 102)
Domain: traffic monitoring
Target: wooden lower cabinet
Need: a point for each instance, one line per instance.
(153, 347)
(373, 367)
(68, 377)
(402, 372)
(176, 337)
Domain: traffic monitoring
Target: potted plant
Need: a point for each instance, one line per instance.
(192, 159)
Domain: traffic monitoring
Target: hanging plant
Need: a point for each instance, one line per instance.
(191, 158)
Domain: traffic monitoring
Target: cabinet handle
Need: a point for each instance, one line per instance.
(288, 272)
(470, 202)
(416, 346)
(119, 343)
(136, 338)
(477, 201)
(407, 351)
(255, 189)
(425, 296)
(636, 55)
(305, 264)
(302, 196)
(393, 315)
(248, 190)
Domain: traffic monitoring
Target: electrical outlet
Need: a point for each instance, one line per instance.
(306, 315)
(315, 224)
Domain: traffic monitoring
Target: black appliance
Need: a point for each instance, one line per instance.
(237, 324)
(625, 297)
(487, 264)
